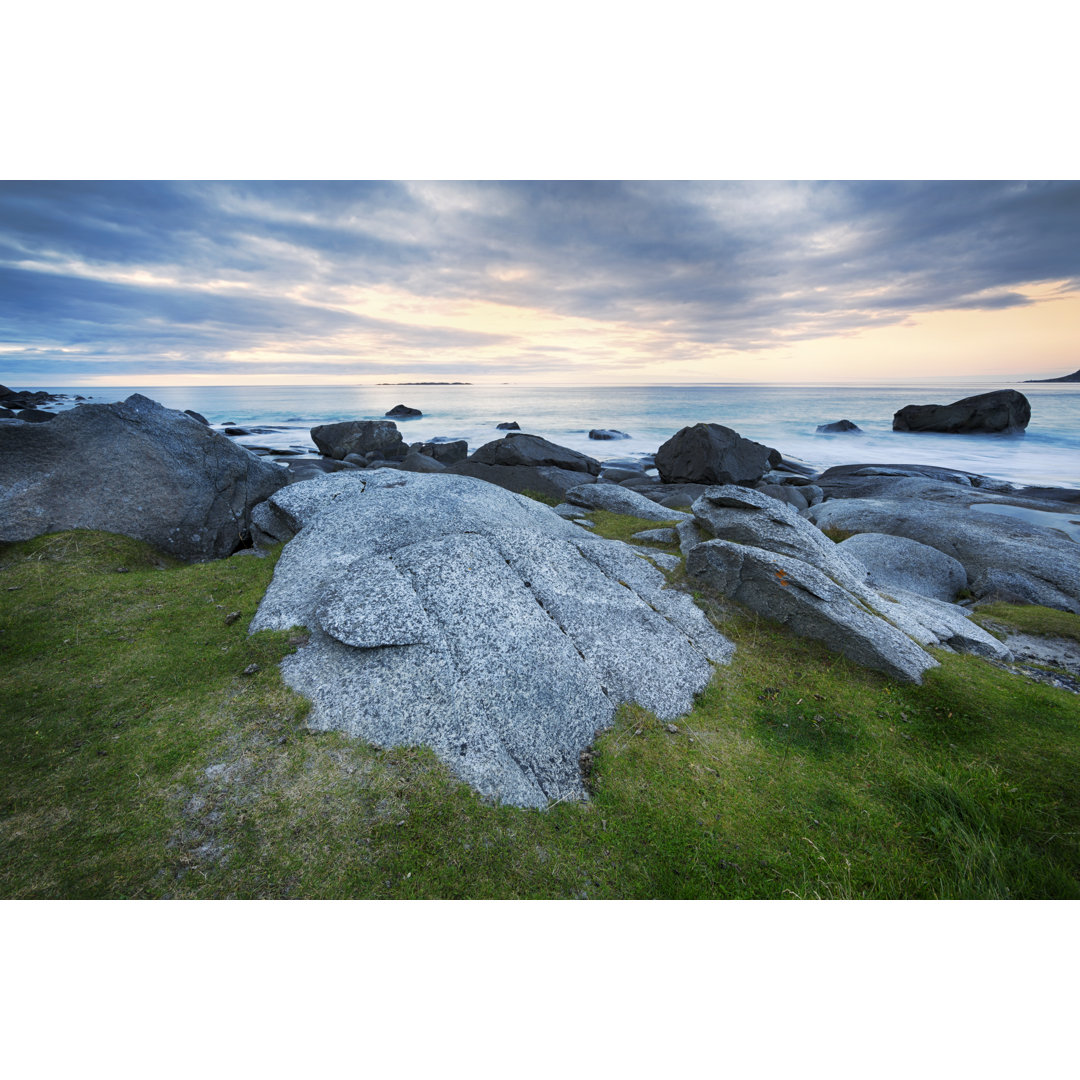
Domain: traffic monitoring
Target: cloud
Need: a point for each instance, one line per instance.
(207, 270)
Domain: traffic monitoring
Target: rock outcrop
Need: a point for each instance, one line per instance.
(713, 454)
(999, 412)
(605, 434)
(769, 558)
(837, 427)
(135, 468)
(447, 612)
(1004, 557)
(404, 412)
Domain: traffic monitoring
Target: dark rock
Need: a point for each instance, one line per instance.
(35, 416)
(6, 414)
(509, 425)
(192, 413)
(532, 450)
(297, 469)
(713, 454)
(619, 474)
(839, 425)
(403, 411)
(447, 452)
(135, 468)
(546, 480)
(234, 431)
(606, 433)
(358, 437)
(1001, 411)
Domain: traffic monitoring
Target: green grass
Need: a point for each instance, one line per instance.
(140, 761)
(1030, 619)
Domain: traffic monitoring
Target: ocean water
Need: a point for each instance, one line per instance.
(784, 417)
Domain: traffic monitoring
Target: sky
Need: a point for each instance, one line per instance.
(599, 283)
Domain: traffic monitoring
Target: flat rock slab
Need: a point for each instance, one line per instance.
(895, 562)
(446, 611)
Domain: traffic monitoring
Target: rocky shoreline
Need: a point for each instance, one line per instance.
(446, 608)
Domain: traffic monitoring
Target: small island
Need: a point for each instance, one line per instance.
(424, 384)
(1074, 377)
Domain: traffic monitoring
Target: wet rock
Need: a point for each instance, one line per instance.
(605, 434)
(838, 426)
(403, 411)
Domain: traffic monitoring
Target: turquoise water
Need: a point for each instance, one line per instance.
(784, 417)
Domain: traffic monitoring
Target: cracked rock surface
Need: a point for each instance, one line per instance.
(446, 611)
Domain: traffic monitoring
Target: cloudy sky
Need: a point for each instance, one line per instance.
(118, 283)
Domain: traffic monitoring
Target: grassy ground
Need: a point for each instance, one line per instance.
(139, 760)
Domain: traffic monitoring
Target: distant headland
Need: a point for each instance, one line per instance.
(1074, 377)
(424, 384)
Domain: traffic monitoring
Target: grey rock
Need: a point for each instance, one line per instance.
(508, 425)
(664, 559)
(813, 605)
(690, 535)
(136, 468)
(895, 562)
(403, 411)
(837, 427)
(1003, 557)
(713, 454)
(565, 510)
(746, 516)
(605, 434)
(620, 473)
(657, 536)
(794, 496)
(358, 437)
(1004, 411)
(417, 462)
(518, 449)
(544, 479)
(448, 612)
(35, 416)
(447, 451)
(197, 416)
(620, 500)
(6, 414)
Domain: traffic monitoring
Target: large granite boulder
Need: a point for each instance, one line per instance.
(895, 562)
(1001, 411)
(448, 612)
(359, 437)
(136, 468)
(769, 558)
(517, 449)
(713, 454)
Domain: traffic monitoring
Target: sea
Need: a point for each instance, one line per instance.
(782, 416)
